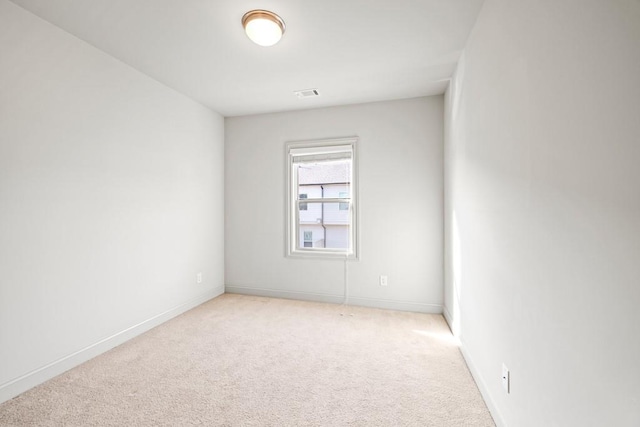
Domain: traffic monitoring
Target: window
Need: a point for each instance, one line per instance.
(321, 198)
(302, 206)
(344, 206)
(308, 239)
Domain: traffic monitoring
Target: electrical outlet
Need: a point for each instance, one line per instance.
(383, 281)
(505, 378)
(199, 278)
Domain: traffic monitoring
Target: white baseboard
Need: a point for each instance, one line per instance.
(31, 379)
(338, 299)
(397, 305)
(484, 391)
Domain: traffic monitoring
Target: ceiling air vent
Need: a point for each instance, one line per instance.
(307, 93)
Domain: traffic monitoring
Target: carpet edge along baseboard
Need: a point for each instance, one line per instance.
(16, 386)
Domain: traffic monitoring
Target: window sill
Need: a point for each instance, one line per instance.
(321, 254)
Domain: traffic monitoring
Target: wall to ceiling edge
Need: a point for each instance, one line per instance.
(111, 201)
(542, 210)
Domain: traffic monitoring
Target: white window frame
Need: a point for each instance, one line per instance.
(293, 248)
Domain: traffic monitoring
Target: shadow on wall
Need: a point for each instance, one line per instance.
(456, 263)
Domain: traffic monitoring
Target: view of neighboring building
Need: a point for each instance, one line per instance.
(324, 225)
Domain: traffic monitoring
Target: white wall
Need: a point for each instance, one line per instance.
(400, 195)
(111, 200)
(543, 210)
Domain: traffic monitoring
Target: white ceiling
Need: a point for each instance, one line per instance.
(353, 51)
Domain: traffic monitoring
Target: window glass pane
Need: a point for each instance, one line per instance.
(303, 206)
(326, 225)
(322, 180)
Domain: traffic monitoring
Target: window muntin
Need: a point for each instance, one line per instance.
(321, 198)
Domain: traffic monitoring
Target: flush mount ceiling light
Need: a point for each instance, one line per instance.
(263, 27)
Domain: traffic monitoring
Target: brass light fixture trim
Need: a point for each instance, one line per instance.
(263, 27)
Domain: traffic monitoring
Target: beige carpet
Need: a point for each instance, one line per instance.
(251, 361)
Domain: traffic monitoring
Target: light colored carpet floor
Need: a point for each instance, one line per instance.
(251, 361)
